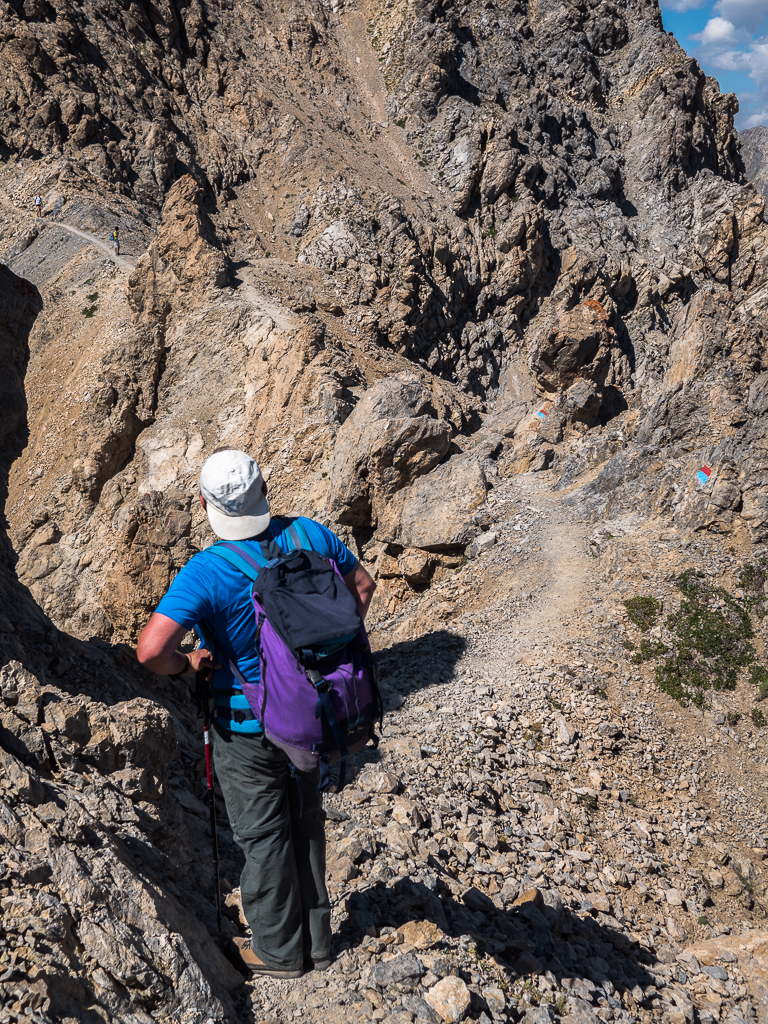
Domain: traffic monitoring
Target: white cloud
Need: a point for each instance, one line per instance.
(757, 59)
(745, 14)
(716, 32)
(751, 60)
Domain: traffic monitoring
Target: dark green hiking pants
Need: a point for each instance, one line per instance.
(284, 897)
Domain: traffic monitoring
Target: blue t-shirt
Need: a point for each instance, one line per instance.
(209, 589)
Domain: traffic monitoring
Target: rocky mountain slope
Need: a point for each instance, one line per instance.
(754, 148)
(406, 255)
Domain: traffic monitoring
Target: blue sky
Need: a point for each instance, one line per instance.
(729, 39)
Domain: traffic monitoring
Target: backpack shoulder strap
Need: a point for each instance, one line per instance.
(299, 536)
(248, 563)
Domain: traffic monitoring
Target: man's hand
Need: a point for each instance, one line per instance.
(201, 659)
(157, 649)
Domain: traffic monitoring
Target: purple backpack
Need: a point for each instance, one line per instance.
(317, 697)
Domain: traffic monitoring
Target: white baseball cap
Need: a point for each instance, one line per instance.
(233, 488)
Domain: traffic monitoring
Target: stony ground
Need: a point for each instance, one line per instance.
(543, 833)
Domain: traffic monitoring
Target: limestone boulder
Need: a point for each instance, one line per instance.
(393, 437)
(440, 511)
(186, 244)
(451, 998)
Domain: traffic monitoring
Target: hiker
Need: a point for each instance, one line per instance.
(38, 201)
(115, 237)
(278, 824)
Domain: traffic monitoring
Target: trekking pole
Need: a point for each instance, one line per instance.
(202, 689)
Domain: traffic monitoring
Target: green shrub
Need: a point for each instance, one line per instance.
(713, 635)
(642, 612)
(758, 718)
(649, 650)
(752, 579)
(758, 676)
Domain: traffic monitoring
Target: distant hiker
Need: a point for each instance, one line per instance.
(115, 237)
(278, 824)
(38, 201)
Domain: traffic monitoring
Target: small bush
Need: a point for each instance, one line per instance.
(713, 641)
(743, 880)
(89, 311)
(752, 579)
(642, 611)
(758, 718)
(711, 635)
(649, 650)
(733, 718)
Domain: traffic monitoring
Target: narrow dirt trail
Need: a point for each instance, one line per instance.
(42, 223)
(120, 261)
(564, 563)
(528, 604)
(262, 304)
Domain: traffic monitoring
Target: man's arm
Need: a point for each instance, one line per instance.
(158, 651)
(362, 586)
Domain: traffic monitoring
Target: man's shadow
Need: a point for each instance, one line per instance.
(591, 958)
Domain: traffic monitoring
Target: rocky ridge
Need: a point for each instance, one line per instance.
(404, 255)
(562, 250)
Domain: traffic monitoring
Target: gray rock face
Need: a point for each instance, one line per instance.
(754, 150)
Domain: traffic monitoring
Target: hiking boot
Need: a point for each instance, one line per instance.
(320, 965)
(243, 957)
